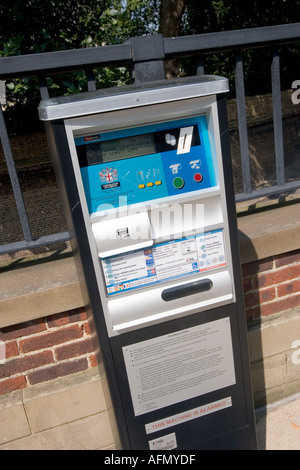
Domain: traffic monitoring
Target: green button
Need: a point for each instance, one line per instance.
(178, 182)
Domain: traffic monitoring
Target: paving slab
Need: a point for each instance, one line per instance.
(278, 426)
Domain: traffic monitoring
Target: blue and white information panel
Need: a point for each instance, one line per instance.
(165, 261)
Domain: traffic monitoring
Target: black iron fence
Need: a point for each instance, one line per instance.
(145, 56)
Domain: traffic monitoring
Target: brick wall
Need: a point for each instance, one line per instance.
(60, 345)
(45, 349)
(272, 285)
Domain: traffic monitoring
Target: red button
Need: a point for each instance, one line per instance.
(198, 177)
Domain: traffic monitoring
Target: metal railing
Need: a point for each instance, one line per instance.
(145, 56)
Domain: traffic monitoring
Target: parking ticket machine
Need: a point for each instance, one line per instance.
(145, 174)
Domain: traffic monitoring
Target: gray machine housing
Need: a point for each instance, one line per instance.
(212, 409)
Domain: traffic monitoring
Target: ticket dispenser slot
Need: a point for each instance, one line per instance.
(123, 234)
(145, 178)
(184, 290)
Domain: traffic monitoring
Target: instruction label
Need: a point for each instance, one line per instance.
(165, 261)
(179, 366)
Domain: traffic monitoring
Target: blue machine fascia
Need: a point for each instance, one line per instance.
(128, 174)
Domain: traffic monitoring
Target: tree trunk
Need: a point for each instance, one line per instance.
(171, 12)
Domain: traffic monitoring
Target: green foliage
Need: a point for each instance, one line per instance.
(208, 16)
(34, 26)
(135, 18)
(47, 25)
(223, 15)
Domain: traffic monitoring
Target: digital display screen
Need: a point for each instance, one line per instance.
(117, 149)
(94, 150)
(127, 147)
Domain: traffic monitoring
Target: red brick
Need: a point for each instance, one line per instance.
(10, 385)
(23, 329)
(49, 339)
(287, 258)
(57, 370)
(87, 328)
(265, 295)
(280, 305)
(64, 318)
(93, 360)
(257, 266)
(251, 299)
(279, 276)
(78, 348)
(22, 364)
(11, 349)
(257, 297)
(247, 284)
(289, 288)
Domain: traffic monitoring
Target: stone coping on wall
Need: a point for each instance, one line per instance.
(50, 285)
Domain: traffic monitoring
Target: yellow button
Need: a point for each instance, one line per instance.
(157, 183)
(142, 186)
(149, 185)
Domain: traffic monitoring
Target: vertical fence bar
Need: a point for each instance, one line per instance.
(277, 119)
(200, 66)
(14, 179)
(91, 84)
(242, 121)
(43, 87)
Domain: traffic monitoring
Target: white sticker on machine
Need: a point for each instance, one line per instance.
(164, 442)
(180, 418)
(179, 366)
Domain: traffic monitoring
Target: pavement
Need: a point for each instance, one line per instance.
(278, 425)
